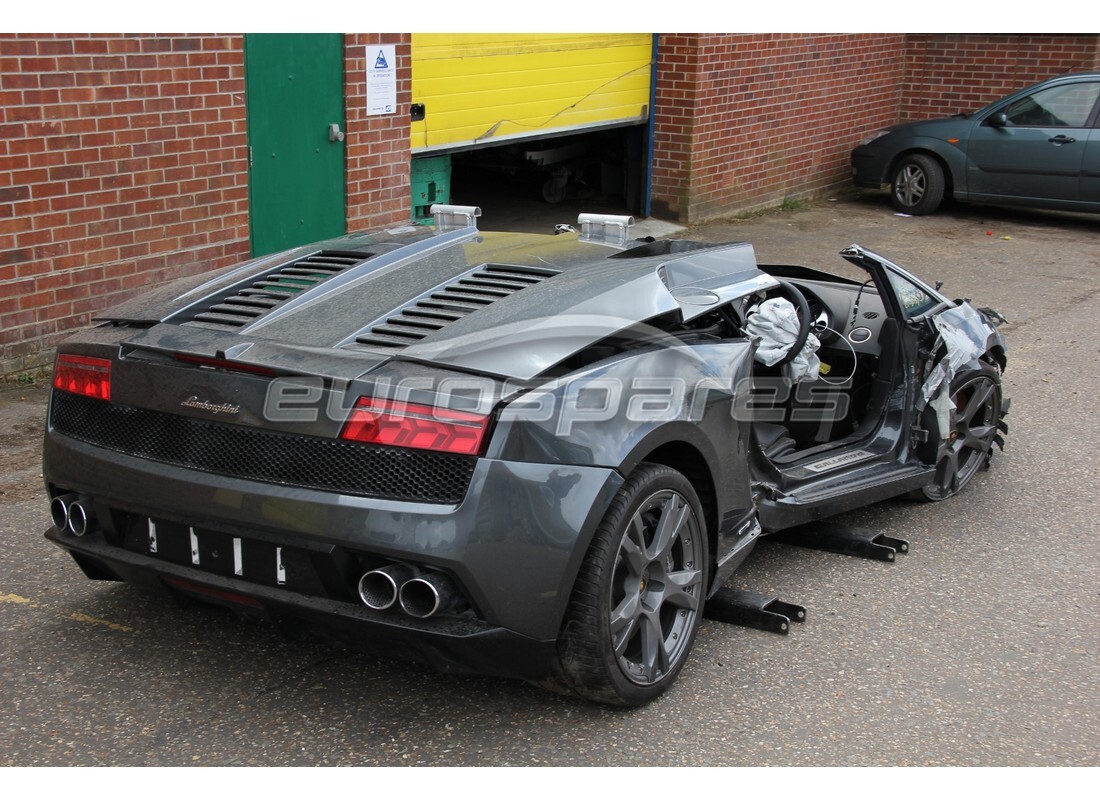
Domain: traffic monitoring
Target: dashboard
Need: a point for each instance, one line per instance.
(853, 312)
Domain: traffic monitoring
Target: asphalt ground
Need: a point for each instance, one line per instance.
(980, 647)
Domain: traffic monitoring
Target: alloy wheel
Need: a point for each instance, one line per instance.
(910, 185)
(976, 409)
(656, 588)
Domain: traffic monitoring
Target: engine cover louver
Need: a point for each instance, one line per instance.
(243, 305)
(439, 308)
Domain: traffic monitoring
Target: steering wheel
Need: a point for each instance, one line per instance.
(805, 322)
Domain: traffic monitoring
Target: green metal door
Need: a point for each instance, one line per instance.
(294, 93)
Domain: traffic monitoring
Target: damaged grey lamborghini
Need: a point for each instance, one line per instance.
(539, 457)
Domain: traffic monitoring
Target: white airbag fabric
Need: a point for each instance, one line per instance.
(775, 323)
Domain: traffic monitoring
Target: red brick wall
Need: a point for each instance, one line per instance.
(743, 121)
(378, 157)
(123, 162)
(670, 171)
(949, 73)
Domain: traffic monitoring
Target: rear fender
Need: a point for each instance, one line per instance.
(676, 402)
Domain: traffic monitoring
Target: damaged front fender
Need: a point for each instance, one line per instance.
(965, 336)
(962, 398)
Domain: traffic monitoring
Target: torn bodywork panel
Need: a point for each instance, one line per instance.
(965, 336)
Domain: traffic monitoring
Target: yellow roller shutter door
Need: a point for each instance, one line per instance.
(484, 89)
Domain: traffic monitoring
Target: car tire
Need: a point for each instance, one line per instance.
(977, 412)
(638, 599)
(554, 191)
(918, 185)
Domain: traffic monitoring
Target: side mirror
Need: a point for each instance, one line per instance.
(998, 120)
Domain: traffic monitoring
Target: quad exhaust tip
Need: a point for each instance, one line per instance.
(71, 513)
(418, 595)
(59, 510)
(81, 517)
(427, 595)
(378, 588)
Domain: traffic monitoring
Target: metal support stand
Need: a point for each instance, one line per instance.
(752, 610)
(844, 540)
(605, 228)
(453, 218)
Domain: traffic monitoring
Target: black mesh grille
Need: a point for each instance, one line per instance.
(268, 456)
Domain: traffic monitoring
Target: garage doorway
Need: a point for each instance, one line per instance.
(531, 126)
(524, 186)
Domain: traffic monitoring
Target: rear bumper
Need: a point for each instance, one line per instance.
(513, 545)
(460, 645)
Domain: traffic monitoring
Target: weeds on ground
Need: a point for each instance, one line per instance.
(786, 204)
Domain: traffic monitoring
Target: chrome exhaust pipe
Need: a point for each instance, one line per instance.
(59, 510)
(378, 588)
(81, 517)
(429, 594)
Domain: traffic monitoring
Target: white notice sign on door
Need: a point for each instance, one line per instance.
(381, 79)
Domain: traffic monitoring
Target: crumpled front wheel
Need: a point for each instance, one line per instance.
(976, 404)
(638, 600)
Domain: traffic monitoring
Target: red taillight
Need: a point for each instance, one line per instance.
(398, 424)
(84, 375)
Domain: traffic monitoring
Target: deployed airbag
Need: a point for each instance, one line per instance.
(775, 323)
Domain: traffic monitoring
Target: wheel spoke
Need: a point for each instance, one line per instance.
(654, 659)
(948, 470)
(980, 439)
(624, 623)
(977, 401)
(673, 514)
(910, 186)
(953, 474)
(632, 549)
(678, 586)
